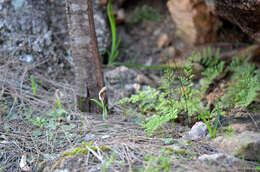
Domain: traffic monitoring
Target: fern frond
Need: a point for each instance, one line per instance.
(157, 121)
(244, 86)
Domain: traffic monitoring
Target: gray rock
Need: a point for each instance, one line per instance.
(22, 28)
(88, 137)
(40, 28)
(28, 58)
(197, 132)
(245, 145)
(219, 159)
(121, 82)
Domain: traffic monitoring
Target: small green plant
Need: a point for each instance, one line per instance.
(33, 84)
(57, 103)
(168, 141)
(212, 64)
(51, 120)
(101, 103)
(228, 131)
(37, 121)
(58, 113)
(188, 95)
(149, 100)
(245, 84)
(80, 150)
(40, 122)
(144, 13)
(86, 148)
(160, 100)
(108, 162)
(205, 115)
(156, 164)
(214, 67)
(177, 94)
(218, 111)
(113, 54)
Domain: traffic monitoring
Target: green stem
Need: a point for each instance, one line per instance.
(217, 118)
(33, 84)
(113, 30)
(149, 67)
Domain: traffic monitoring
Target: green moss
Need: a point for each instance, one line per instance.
(84, 150)
(78, 150)
(169, 149)
(105, 149)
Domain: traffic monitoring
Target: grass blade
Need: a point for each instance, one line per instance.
(33, 84)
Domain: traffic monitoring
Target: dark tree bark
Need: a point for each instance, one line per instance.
(243, 13)
(88, 72)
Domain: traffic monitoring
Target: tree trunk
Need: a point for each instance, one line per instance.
(88, 72)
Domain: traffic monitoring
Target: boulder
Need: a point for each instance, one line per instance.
(194, 22)
(219, 159)
(245, 145)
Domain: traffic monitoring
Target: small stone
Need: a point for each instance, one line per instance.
(163, 41)
(171, 51)
(88, 137)
(197, 132)
(28, 58)
(157, 32)
(105, 136)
